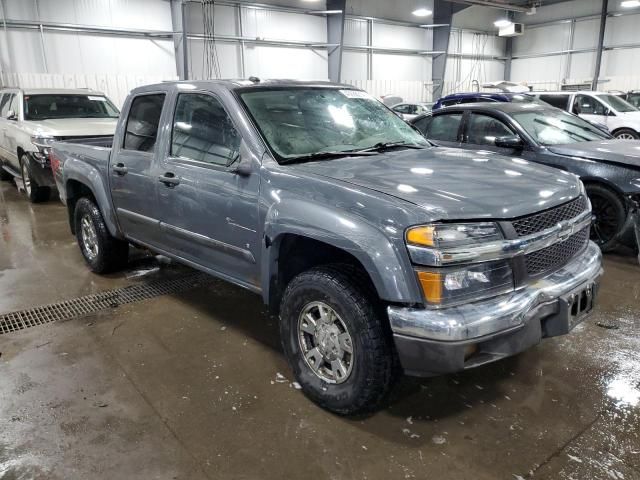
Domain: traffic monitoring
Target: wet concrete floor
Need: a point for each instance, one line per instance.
(194, 386)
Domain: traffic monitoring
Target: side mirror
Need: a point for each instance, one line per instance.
(512, 141)
(242, 166)
(609, 113)
(11, 115)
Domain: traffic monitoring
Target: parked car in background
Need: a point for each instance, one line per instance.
(355, 229)
(30, 119)
(619, 117)
(476, 97)
(609, 168)
(411, 110)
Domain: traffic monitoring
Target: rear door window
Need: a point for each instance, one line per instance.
(143, 122)
(444, 127)
(558, 101)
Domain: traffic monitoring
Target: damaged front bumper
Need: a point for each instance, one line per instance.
(437, 341)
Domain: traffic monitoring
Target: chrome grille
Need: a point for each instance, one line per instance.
(553, 257)
(541, 221)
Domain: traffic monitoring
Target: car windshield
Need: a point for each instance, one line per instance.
(301, 121)
(634, 99)
(555, 127)
(46, 107)
(617, 103)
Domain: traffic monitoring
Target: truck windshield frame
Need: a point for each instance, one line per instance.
(299, 122)
(46, 106)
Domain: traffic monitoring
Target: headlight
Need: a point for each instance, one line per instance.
(43, 143)
(446, 286)
(453, 234)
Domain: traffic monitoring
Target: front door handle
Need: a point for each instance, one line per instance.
(120, 169)
(169, 179)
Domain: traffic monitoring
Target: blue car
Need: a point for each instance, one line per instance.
(477, 97)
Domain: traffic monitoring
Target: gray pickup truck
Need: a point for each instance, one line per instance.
(378, 251)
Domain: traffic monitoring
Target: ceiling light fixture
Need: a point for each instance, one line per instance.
(630, 4)
(422, 12)
(503, 22)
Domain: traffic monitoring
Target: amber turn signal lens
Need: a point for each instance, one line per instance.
(421, 236)
(431, 284)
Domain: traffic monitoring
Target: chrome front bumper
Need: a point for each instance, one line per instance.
(501, 314)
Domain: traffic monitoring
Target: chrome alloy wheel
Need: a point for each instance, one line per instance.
(325, 342)
(625, 136)
(89, 237)
(26, 181)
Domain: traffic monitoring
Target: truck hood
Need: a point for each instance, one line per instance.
(625, 152)
(72, 127)
(455, 184)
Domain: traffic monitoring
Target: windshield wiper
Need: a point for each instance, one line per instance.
(326, 156)
(381, 146)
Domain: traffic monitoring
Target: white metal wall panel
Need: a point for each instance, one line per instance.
(354, 65)
(153, 14)
(225, 19)
(228, 59)
(395, 36)
(586, 34)
(542, 39)
(548, 69)
(582, 65)
(401, 67)
(355, 32)
(622, 63)
(278, 62)
(621, 30)
(283, 25)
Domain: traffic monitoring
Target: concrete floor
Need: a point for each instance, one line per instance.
(194, 386)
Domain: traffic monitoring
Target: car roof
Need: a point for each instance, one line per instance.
(55, 91)
(505, 107)
(235, 84)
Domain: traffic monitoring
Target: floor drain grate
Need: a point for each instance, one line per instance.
(77, 307)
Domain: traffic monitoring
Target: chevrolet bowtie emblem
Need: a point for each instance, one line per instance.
(565, 231)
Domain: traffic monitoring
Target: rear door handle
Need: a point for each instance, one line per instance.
(169, 179)
(120, 169)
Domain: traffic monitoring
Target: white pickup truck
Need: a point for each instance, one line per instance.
(30, 119)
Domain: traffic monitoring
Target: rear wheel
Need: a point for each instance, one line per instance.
(102, 252)
(35, 193)
(626, 134)
(335, 336)
(610, 216)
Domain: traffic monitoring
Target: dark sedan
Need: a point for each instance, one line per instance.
(609, 168)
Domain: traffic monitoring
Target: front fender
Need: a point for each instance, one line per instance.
(383, 256)
(91, 178)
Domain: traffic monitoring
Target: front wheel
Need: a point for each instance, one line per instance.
(336, 339)
(610, 216)
(35, 193)
(102, 252)
(626, 134)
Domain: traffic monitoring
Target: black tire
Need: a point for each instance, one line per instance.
(610, 216)
(35, 193)
(111, 253)
(626, 134)
(374, 363)
(4, 175)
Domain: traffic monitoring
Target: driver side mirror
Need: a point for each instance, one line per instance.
(512, 141)
(11, 115)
